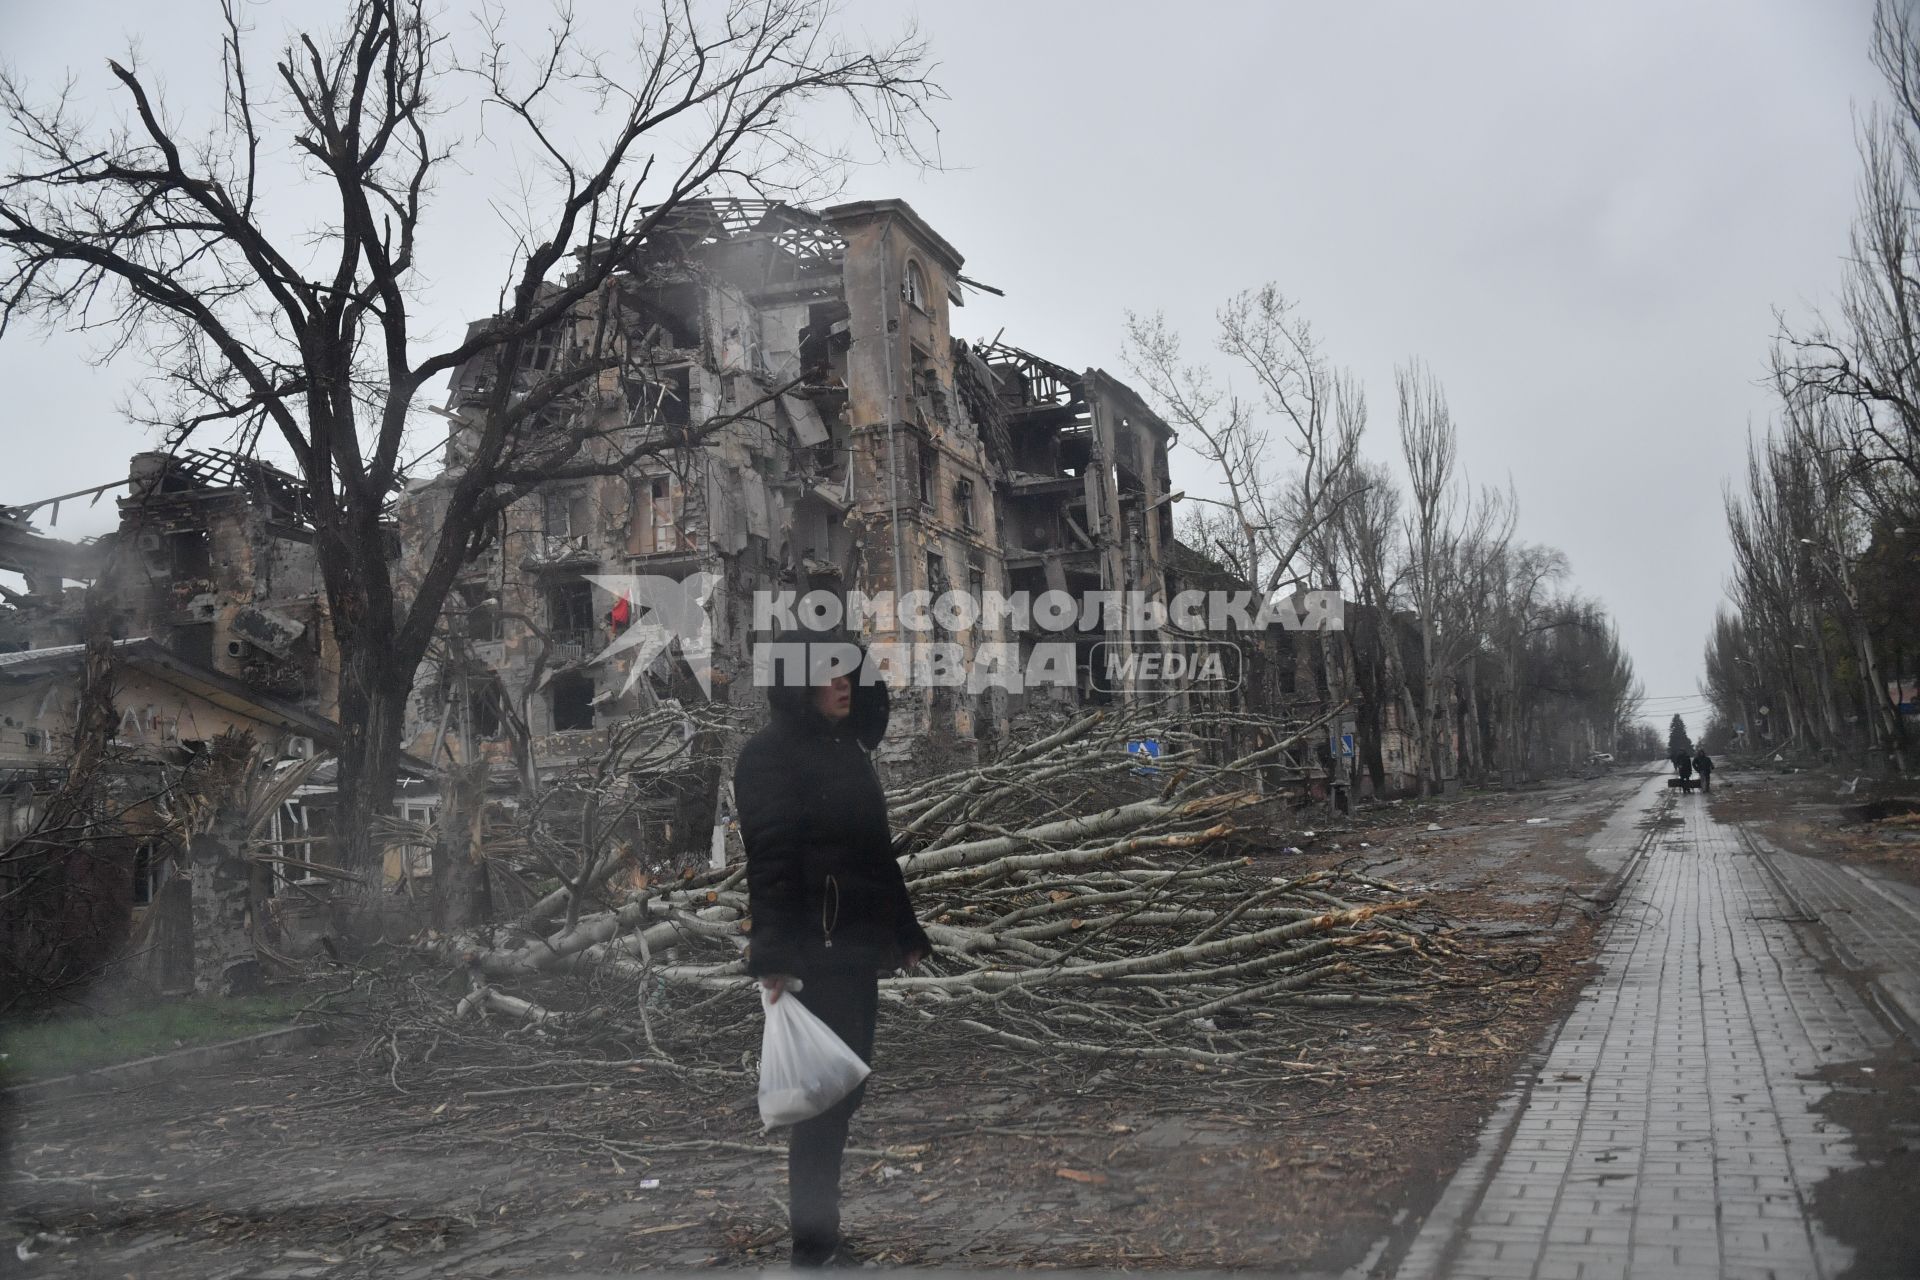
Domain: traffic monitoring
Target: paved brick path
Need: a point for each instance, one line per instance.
(1669, 1132)
(1873, 923)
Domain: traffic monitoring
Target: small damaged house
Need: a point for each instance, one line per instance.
(211, 596)
(131, 879)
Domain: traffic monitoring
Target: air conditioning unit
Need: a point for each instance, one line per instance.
(298, 748)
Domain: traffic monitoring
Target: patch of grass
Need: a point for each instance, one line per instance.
(60, 1046)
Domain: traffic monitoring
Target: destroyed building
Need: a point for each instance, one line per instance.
(864, 447)
(211, 593)
(213, 559)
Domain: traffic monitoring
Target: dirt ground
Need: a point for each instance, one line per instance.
(1823, 814)
(359, 1159)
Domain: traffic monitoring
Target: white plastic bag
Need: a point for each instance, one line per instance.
(804, 1067)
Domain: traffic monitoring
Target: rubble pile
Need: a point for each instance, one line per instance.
(1087, 899)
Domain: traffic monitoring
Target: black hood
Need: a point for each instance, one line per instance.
(792, 705)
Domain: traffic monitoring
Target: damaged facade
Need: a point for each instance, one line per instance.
(213, 559)
(864, 448)
(211, 596)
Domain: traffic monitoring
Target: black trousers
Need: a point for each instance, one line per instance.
(849, 1003)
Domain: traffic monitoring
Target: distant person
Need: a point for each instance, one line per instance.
(1683, 765)
(1703, 765)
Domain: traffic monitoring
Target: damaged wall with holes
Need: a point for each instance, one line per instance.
(213, 559)
(872, 450)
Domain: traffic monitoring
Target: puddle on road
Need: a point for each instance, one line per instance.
(1870, 1206)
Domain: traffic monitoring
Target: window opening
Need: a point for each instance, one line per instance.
(146, 874)
(929, 472)
(568, 513)
(570, 609)
(479, 609)
(572, 702)
(658, 506)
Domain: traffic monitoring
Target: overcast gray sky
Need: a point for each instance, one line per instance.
(1582, 216)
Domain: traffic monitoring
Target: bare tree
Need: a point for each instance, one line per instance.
(1872, 360)
(1305, 407)
(1523, 577)
(291, 310)
(1368, 548)
(1452, 536)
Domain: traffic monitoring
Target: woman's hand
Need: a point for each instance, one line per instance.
(774, 984)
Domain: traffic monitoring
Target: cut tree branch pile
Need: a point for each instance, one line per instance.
(1085, 902)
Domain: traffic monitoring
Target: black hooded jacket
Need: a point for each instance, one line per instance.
(824, 888)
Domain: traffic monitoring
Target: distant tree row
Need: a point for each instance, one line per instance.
(1495, 666)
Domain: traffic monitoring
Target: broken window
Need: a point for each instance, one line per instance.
(485, 717)
(541, 351)
(657, 505)
(929, 472)
(411, 860)
(570, 610)
(928, 402)
(480, 610)
(936, 573)
(568, 513)
(190, 553)
(673, 310)
(661, 397)
(146, 874)
(963, 502)
(317, 819)
(572, 696)
(916, 286)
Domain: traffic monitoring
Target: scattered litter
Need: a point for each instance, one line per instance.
(649, 1184)
(26, 1253)
(889, 1172)
(1292, 848)
(1534, 822)
(1433, 826)
(1081, 1175)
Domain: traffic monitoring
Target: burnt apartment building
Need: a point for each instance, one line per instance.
(864, 448)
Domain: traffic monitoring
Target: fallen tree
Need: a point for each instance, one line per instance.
(1086, 901)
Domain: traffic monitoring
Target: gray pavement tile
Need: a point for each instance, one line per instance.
(1670, 1129)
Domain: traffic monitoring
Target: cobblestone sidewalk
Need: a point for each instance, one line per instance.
(1670, 1130)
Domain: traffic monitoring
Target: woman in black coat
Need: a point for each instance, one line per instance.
(829, 904)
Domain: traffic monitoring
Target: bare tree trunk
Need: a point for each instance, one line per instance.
(1476, 745)
(462, 893)
(224, 961)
